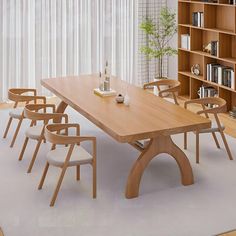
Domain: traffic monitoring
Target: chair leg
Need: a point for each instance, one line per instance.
(197, 147)
(23, 149)
(77, 173)
(216, 140)
(34, 155)
(7, 128)
(185, 140)
(43, 176)
(94, 179)
(54, 197)
(226, 145)
(16, 132)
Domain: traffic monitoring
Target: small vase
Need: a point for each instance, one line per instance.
(127, 100)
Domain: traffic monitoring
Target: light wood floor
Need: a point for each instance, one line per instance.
(229, 122)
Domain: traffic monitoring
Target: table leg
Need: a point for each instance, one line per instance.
(158, 145)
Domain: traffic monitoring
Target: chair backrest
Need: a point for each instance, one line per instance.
(52, 134)
(24, 95)
(173, 87)
(38, 112)
(219, 106)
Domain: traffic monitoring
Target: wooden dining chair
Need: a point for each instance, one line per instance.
(37, 113)
(19, 96)
(219, 106)
(72, 155)
(173, 87)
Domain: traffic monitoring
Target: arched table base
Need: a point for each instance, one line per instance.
(158, 145)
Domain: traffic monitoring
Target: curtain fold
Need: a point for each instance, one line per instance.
(55, 38)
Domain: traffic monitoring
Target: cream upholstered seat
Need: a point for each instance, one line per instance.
(20, 95)
(16, 112)
(64, 157)
(79, 156)
(170, 100)
(214, 128)
(34, 132)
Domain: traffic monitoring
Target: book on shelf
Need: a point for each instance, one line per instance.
(185, 41)
(198, 19)
(206, 92)
(215, 48)
(232, 2)
(221, 75)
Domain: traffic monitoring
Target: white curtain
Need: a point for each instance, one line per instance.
(54, 38)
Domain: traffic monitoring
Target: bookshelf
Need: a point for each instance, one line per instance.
(218, 25)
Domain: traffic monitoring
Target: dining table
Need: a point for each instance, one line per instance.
(146, 117)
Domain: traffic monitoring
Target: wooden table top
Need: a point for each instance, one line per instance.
(147, 116)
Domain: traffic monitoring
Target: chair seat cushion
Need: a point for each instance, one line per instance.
(79, 156)
(34, 132)
(142, 143)
(170, 100)
(214, 128)
(16, 112)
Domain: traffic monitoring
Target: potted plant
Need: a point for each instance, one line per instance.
(159, 36)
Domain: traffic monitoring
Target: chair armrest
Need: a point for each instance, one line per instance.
(20, 91)
(37, 107)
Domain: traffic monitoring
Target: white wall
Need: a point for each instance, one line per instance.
(173, 61)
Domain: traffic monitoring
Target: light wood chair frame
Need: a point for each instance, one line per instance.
(174, 88)
(221, 108)
(52, 134)
(18, 96)
(31, 112)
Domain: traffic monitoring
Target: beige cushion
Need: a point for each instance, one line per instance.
(34, 132)
(214, 128)
(170, 100)
(142, 143)
(16, 113)
(79, 156)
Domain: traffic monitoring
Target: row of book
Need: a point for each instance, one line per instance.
(220, 74)
(207, 91)
(198, 19)
(232, 2)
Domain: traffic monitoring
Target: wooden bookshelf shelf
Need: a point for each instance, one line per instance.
(218, 25)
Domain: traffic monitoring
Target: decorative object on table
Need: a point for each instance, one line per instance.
(104, 88)
(195, 69)
(233, 113)
(120, 98)
(127, 100)
(158, 37)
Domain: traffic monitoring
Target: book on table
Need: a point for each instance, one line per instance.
(101, 93)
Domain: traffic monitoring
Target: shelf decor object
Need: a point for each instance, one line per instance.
(207, 37)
